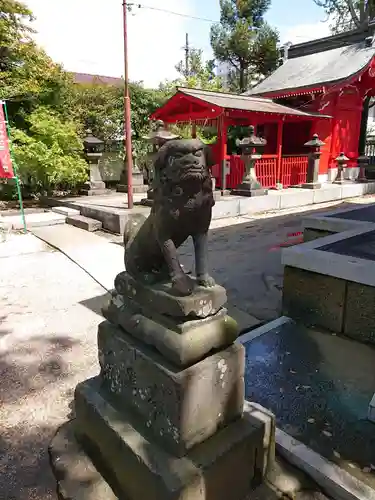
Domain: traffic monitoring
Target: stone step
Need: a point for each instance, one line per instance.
(66, 211)
(84, 222)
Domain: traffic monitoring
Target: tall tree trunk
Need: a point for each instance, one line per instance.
(242, 78)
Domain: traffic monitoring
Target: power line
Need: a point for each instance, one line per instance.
(166, 11)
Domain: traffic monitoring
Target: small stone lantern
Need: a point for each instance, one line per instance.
(251, 148)
(363, 162)
(94, 149)
(157, 138)
(313, 163)
(137, 176)
(341, 165)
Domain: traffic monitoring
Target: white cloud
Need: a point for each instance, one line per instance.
(87, 36)
(304, 32)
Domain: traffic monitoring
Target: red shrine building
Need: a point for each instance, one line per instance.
(323, 87)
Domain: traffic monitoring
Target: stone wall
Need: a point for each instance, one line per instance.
(334, 304)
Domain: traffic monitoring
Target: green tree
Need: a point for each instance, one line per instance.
(348, 14)
(50, 154)
(244, 40)
(200, 74)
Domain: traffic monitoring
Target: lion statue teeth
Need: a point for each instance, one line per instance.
(183, 202)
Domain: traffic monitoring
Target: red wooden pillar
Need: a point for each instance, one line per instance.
(279, 150)
(222, 142)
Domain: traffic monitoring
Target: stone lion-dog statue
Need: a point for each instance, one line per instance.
(182, 207)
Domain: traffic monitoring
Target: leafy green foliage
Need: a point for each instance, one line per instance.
(348, 14)
(200, 74)
(245, 41)
(50, 154)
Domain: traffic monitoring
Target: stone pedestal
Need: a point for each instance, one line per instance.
(164, 420)
(96, 185)
(138, 182)
(250, 186)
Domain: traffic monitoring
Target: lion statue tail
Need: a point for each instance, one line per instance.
(132, 226)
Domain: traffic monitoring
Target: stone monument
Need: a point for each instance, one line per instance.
(312, 178)
(157, 138)
(251, 151)
(164, 420)
(94, 148)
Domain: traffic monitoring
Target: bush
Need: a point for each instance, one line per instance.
(50, 155)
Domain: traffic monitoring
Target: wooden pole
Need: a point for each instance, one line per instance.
(127, 113)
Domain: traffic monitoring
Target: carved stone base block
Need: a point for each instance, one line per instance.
(180, 341)
(311, 185)
(179, 407)
(201, 303)
(226, 466)
(248, 189)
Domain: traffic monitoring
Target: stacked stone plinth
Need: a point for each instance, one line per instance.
(164, 419)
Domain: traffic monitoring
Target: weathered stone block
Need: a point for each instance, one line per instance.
(181, 342)
(201, 303)
(314, 299)
(359, 321)
(180, 407)
(226, 466)
(84, 222)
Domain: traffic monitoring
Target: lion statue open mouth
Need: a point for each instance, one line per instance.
(183, 202)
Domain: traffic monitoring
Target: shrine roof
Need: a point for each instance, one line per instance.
(313, 71)
(215, 102)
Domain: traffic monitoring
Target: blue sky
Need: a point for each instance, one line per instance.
(86, 35)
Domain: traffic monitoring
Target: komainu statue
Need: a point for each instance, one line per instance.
(183, 202)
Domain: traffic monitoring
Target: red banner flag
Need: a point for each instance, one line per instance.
(6, 169)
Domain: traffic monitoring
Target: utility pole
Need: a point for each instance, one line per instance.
(187, 50)
(128, 160)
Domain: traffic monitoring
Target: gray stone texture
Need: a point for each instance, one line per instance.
(84, 222)
(181, 408)
(180, 342)
(201, 303)
(224, 467)
(76, 475)
(310, 234)
(314, 299)
(113, 219)
(359, 322)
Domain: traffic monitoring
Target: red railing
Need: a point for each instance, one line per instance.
(293, 170)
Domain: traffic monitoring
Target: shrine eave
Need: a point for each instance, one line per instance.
(195, 104)
(312, 73)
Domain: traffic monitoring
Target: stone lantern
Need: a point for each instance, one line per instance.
(363, 162)
(313, 163)
(94, 149)
(157, 138)
(251, 148)
(137, 177)
(341, 165)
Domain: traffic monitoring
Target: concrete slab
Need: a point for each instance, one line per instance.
(226, 207)
(65, 211)
(21, 244)
(327, 193)
(354, 189)
(310, 257)
(259, 204)
(101, 259)
(296, 198)
(34, 220)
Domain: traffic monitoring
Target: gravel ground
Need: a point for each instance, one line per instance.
(47, 346)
